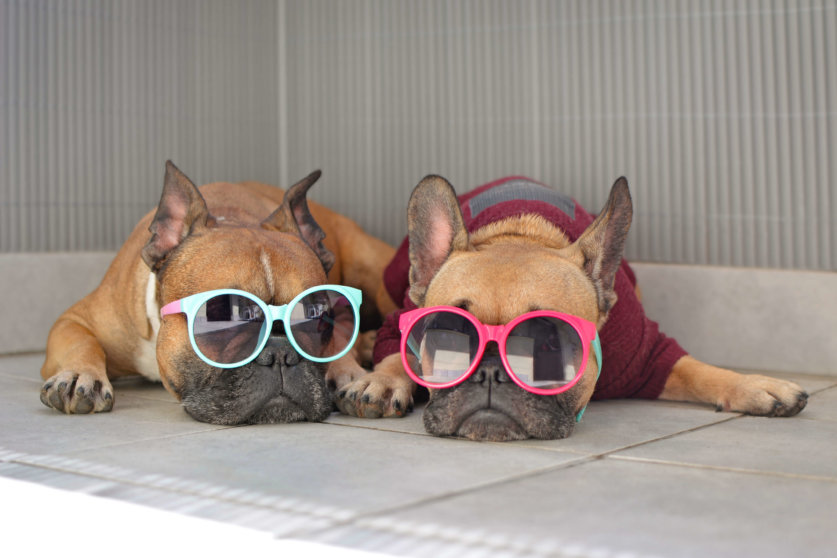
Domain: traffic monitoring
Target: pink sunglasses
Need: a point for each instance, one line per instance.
(543, 352)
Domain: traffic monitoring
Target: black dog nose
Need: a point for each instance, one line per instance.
(278, 350)
(490, 370)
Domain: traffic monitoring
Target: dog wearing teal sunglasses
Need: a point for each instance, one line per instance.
(518, 309)
(242, 299)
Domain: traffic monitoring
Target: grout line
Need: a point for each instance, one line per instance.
(822, 389)
(18, 354)
(727, 469)
(377, 428)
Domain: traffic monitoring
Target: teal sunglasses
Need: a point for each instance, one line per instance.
(229, 328)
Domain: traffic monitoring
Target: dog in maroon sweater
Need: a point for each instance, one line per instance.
(514, 246)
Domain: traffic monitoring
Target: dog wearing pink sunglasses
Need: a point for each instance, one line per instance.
(251, 238)
(508, 293)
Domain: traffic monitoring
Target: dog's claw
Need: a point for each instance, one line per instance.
(77, 393)
(376, 395)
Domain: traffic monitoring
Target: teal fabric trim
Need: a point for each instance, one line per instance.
(597, 347)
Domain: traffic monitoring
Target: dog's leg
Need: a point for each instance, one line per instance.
(385, 392)
(692, 380)
(75, 371)
(350, 367)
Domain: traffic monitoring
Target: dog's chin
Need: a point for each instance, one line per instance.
(282, 409)
(278, 409)
(489, 425)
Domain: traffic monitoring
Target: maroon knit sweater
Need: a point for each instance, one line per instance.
(637, 357)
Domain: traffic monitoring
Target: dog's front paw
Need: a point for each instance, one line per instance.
(343, 372)
(376, 395)
(763, 396)
(74, 393)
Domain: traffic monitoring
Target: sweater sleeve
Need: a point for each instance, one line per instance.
(637, 356)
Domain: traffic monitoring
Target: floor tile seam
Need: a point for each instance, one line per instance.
(178, 486)
(379, 429)
(604, 454)
(173, 401)
(21, 354)
(726, 469)
(822, 389)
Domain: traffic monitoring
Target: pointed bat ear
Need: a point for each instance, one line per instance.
(436, 228)
(293, 216)
(603, 242)
(181, 211)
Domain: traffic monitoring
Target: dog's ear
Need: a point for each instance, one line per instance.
(436, 228)
(293, 216)
(181, 211)
(603, 242)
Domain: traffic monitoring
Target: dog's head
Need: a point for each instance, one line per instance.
(504, 270)
(275, 258)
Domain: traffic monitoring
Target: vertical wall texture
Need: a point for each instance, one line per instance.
(97, 94)
(722, 114)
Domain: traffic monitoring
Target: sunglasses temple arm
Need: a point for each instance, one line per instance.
(171, 308)
(597, 347)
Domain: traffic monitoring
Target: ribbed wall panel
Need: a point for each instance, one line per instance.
(97, 94)
(722, 114)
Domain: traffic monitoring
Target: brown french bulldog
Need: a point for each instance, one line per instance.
(248, 236)
(518, 261)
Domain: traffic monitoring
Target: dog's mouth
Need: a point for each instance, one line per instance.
(491, 425)
(280, 408)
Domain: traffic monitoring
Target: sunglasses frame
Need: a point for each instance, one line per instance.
(190, 305)
(586, 332)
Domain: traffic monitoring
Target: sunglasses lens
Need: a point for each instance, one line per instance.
(323, 323)
(229, 328)
(441, 347)
(545, 352)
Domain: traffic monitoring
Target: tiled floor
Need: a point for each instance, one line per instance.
(637, 478)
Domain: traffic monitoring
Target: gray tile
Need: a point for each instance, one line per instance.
(792, 446)
(354, 468)
(609, 508)
(31, 427)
